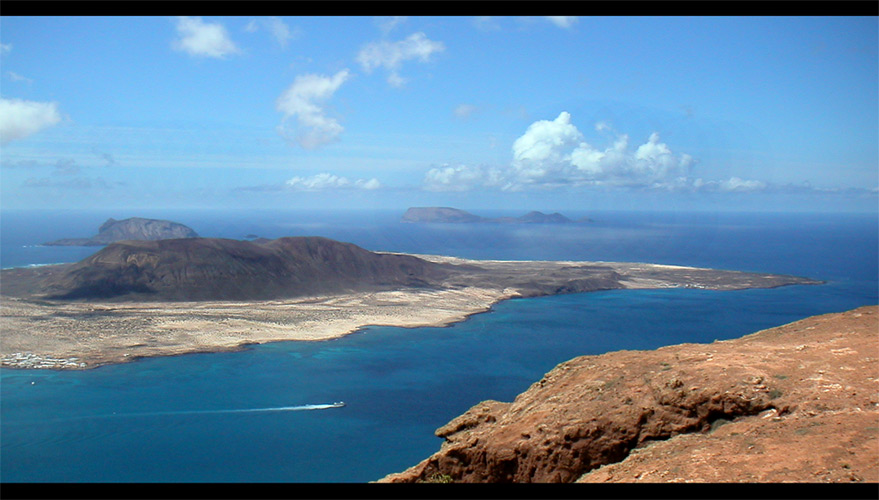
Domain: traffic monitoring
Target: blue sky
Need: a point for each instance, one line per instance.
(577, 114)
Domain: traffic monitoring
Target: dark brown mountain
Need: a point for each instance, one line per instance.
(135, 228)
(220, 269)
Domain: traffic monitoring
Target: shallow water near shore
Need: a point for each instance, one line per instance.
(177, 419)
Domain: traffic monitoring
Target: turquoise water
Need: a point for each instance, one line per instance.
(177, 418)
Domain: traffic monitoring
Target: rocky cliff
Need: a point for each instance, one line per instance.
(795, 403)
(134, 228)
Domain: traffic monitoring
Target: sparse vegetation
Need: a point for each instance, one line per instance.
(438, 478)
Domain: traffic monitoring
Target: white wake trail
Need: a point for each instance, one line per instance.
(205, 412)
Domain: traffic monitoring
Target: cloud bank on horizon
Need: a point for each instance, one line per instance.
(509, 108)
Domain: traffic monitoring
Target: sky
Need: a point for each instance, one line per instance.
(514, 113)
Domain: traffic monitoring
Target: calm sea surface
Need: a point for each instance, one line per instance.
(179, 418)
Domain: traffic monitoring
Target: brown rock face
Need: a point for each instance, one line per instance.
(793, 403)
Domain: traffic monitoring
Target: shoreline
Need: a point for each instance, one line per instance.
(40, 334)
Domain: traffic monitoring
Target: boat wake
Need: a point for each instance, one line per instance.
(327, 406)
(240, 410)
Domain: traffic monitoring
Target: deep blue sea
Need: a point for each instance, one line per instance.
(179, 419)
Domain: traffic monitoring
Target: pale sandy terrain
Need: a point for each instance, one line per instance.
(75, 335)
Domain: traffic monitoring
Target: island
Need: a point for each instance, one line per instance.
(455, 215)
(135, 228)
(135, 299)
(796, 403)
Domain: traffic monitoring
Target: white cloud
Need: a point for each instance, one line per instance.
(465, 110)
(733, 184)
(5, 48)
(15, 77)
(387, 23)
(198, 38)
(279, 30)
(459, 178)
(19, 118)
(552, 153)
(562, 21)
(276, 27)
(391, 55)
(302, 101)
(324, 181)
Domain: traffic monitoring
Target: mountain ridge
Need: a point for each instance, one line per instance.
(223, 269)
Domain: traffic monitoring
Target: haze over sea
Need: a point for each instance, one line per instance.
(176, 418)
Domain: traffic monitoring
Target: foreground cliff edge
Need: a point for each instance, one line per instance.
(796, 403)
(135, 299)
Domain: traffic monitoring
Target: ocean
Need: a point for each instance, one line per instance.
(249, 416)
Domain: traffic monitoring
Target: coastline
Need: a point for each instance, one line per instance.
(40, 334)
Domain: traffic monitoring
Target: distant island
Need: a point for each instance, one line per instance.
(135, 228)
(134, 299)
(454, 215)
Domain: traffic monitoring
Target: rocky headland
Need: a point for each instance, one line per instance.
(796, 403)
(454, 215)
(135, 228)
(151, 298)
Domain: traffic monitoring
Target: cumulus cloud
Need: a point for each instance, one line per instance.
(20, 118)
(562, 21)
(201, 39)
(554, 153)
(325, 181)
(303, 101)
(392, 55)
